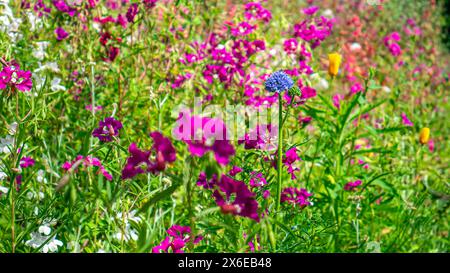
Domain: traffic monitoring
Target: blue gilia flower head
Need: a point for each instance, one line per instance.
(278, 82)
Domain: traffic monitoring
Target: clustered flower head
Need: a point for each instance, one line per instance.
(15, 78)
(203, 134)
(296, 196)
(279, 82)
(107, 130)
(151, 161)
(351, 186)
(88, 161)
(176, 241)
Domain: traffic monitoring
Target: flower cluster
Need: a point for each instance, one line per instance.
(152, 161)
(279, 82)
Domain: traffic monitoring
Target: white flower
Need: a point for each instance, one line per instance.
(40, 238)
(6, 144)
(128, 232)
(386, 89)
(328, 13)
(318, 82)
(355, 47)
(4, 190)
(41, 177)
(55, 86)
(44, 229)
(39, 51)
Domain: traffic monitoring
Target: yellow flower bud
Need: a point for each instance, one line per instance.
(424, 136)
(334, 63)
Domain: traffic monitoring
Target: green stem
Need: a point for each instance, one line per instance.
(280, 149)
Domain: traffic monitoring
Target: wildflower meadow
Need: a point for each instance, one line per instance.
(212, 126)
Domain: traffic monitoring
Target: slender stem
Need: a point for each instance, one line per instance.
(280, 149)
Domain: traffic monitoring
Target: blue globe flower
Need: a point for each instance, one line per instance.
(278, 82)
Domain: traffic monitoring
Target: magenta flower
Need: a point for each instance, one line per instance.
(15, 78)
(290, 46)
(406, 120)
(314, 30)
(61, 34)
(254, 10)
(132, 11)
(26, 162)
(310, 10)
(238, 199)
(89, 161)
(262, 137)
(337, 100)
(108, 128)
(257, 180)
(176, 241)
(139, 161)
(235, 170)
(243, 29)
(62, 6)
(204, 134)
(350, 186)
(296, 197)
(390, 41)
(289, 160)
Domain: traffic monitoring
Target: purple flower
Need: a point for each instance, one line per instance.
(26, 162)
(242, 29)
(314, 30)
(290, 46)
(176, 241)
(289, 160)
(89, 161)
(390, 41)
(254, 10)
(132, 11)
(139, 160)
(279, 82)
(406, 120)
(108, 128)
(234, 171)
(350, 186)
(310, 10)
(204, 134)
(238, 199)
(296, 197)
(63, 7)
(205, 183)
(262, 137)
(257, 180)
(61, 34)
(337, 100)
(15, 78)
